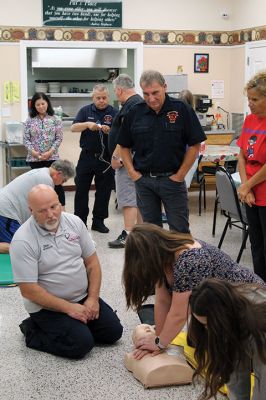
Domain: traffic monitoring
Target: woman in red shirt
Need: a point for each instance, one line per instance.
(252, 169)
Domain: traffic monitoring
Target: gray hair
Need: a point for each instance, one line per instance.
(124, 81)
(65, 167)
(258, 82)
(187, 97)
(100, 88)
(149, 76)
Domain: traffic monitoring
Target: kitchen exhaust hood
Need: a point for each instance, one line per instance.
(79, 58)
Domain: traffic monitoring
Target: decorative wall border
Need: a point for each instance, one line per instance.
(157, 37)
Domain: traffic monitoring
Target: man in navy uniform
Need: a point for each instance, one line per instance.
(94, 122)
(165, 135)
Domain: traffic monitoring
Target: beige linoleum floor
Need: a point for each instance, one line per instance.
(30, 375)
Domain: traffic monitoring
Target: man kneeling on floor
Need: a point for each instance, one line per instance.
(58, 272)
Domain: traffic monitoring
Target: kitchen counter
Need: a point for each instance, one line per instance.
(219, 136)
(220, 132)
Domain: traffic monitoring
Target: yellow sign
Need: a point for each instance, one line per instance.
(7, 92)
(11, 92)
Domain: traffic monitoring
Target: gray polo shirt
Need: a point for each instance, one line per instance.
(14, 196)
(53, 260)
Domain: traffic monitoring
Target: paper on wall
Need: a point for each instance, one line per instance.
(217, 89)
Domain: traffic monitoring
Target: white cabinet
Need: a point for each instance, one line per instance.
(176, 83)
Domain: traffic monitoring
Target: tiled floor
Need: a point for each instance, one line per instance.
(27, 374)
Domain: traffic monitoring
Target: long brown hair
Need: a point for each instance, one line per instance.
(149, 251)
(232, 319)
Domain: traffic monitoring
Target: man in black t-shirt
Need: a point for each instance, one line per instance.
(125, 187)
(165, 135)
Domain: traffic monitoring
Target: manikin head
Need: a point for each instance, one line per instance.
(142, 330)
(45, 207)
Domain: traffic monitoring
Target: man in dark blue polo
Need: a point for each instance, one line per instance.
(94, 121)
(165, 135)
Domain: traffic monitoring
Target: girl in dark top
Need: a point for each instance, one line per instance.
(174, 263)
(228, 330)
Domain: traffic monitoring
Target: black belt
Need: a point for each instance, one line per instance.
(97, 155)
(157, 174)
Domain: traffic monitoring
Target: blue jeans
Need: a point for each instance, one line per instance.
(59, 334)
(152, 192)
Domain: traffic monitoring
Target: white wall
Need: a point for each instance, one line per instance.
(157, 14)
(176, 14)
(248, 13)
(21, 13)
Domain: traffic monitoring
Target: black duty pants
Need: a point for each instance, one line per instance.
(89, 167)
(59, 334)
(257, 232)
(58, 188)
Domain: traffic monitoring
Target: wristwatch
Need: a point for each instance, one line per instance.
(159, 344)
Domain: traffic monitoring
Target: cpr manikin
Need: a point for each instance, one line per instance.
(165, 369)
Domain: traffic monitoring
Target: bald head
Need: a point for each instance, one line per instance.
(45, 207)
(38, 192)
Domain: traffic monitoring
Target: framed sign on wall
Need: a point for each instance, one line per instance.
(99, 14)
(201, 62)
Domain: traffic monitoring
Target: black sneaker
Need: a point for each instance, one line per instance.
(26, 326)
(99, 226)
(120, 242)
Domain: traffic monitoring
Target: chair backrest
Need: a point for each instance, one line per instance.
(232, 166)
(233, 142)
(227, 193)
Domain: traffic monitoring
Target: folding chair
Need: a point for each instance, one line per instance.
(231, 208)
(231, 167)
(199, 179)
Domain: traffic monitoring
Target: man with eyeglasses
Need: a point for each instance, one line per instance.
(58, 272)
(14, 208)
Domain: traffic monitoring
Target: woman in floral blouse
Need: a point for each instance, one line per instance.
(43, 136)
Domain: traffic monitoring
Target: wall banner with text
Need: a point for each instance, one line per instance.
(100, 14)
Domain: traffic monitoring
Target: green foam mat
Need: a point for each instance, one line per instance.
(6, 275)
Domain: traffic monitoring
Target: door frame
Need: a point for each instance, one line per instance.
(249, 46)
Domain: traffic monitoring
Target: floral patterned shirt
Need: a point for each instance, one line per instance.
(196, 264)
(42, 134)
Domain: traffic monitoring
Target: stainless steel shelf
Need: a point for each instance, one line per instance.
(9, 158)
(88, 95)
(23, 167)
